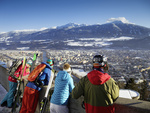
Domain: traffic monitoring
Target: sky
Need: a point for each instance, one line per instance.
(41, 14)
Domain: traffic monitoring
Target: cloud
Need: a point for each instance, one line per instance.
(122, 19)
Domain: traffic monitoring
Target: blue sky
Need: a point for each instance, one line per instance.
(37, 14)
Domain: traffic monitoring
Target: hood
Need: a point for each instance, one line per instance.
(97, 77)
(63, 75)
(47, 65)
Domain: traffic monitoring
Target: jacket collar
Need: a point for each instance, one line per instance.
(47, 65)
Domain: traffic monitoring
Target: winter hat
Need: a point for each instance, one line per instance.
(29, 62)
(50, 62)
(67, 67)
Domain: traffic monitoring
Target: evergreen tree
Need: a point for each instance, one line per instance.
(131, 84)
(121, 85)
(143, 90)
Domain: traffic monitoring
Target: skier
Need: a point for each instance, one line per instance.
(50, 62)
(98, 88)
(8, 99)
(29, 64)
(31, 92)
(24, 78)
(63, 87)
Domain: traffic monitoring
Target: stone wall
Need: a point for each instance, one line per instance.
(4, 78)
(123, 105)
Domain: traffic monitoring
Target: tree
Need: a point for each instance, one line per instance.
(131, 84)
(121, 85)
(143, 90)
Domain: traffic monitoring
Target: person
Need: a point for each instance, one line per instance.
(28, 66)
(8, 99)
(51, 63)
(31, 92)
(24, 78)
(98, 88)
(63, 87)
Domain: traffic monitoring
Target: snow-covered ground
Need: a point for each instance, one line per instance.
(100, 42)
(80, 72)
(129, 94)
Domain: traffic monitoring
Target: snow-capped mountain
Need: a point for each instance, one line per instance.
(120, 19)
(70, 25)
(116, 32)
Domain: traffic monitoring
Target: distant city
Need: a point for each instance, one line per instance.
(122, 63)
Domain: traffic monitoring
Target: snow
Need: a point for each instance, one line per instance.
(70, 25)
(118, 39)
(117, 27)
(2, 32)
(4, 38)
(39, 40)
(24, 30)
(96, 41)
(80, 72)
(43, 28)
(129, 94)
(25, 42)
(69, 41)
(79, 44)
(23, 48)
(122, 19)
(55, 27)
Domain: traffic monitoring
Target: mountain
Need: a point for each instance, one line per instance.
(71, 25)
(114, 34)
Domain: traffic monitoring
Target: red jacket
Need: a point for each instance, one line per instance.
(99, 91)
(18, 73)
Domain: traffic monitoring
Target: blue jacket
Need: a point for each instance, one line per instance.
(44, 78)
(63, 87)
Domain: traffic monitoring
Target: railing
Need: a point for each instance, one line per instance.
(122, 105)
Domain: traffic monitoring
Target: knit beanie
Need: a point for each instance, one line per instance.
(67, 67)
(50, 62)
(29, 62)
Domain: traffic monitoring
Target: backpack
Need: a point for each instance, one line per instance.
(35, 74)
(15, 64)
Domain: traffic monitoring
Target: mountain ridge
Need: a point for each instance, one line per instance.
(72, 31)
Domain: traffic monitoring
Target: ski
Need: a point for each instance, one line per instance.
(45, 99)
(34, 61)
(18, 92)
